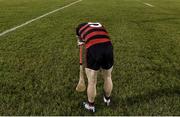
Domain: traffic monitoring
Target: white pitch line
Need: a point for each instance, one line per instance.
(37, 18)
(150, 5)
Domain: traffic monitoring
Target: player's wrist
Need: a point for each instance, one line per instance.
(80, 43)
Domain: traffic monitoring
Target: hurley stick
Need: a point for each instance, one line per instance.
(81, 84)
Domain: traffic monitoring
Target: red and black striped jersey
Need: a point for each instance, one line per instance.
(92, 33)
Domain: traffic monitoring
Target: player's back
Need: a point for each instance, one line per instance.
(92, 33)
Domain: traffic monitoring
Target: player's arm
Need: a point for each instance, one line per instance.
(80, 42)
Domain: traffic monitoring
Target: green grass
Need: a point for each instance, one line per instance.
(39, 62)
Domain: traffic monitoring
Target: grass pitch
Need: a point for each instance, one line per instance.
(39, 62)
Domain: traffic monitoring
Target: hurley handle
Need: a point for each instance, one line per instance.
(80, 54)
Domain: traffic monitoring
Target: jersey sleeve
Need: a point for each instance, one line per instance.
(78, 35)
(77, 31)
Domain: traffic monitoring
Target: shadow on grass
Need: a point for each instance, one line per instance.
(152, 95)
(145, 98)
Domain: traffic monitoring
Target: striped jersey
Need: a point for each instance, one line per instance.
(92, 33)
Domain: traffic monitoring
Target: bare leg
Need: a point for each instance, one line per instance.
(108, 85)
(92, 81)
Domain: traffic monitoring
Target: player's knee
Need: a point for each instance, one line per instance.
(92, 82)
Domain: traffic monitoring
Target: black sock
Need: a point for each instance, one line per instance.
(91, 103)
(107, 98)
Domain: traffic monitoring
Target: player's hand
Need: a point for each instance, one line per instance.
(80, 43)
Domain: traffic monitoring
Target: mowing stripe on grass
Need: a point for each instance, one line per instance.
(150, 5)
(37, 18)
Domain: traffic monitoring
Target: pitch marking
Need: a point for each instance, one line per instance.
(37, 18)
(150, 5)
